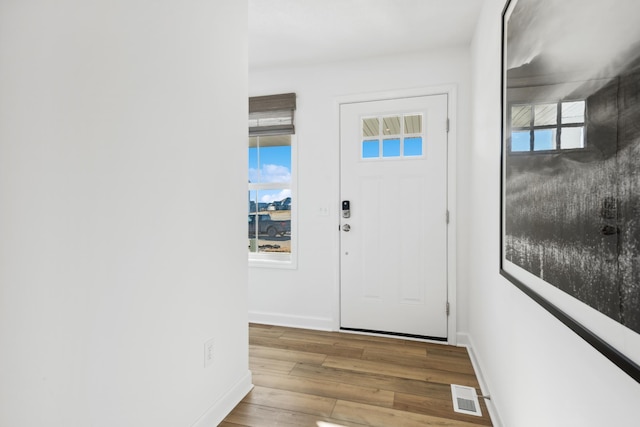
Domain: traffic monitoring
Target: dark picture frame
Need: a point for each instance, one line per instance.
(570, 167)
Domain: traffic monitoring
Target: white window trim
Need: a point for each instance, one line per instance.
(278, 260)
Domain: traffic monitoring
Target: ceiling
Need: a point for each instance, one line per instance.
(299, 32)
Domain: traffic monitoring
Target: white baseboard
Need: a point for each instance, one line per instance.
(465, 340)
(223, 406)
(305, 322)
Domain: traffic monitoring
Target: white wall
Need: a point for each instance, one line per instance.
(121, 128)
(307, 296)
(539, 373)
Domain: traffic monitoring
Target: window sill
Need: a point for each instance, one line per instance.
(282, 261)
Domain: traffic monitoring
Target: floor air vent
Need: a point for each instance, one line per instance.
(465, 400)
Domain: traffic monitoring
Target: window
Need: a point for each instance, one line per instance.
(392, 137)
(547, 127)
(271, 184)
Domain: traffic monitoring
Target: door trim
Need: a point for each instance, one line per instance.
(451, 91)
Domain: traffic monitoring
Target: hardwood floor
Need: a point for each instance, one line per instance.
(330, 379)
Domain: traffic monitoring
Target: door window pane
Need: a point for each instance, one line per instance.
(413, 146)
(370, 127)
(391, 148)
(413, 124)
(370, 149)
(404, 136)
(391, 125)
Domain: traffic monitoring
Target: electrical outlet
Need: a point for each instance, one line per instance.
(208, 353)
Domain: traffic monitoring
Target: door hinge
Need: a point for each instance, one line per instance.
(447, 125)
(447, 217)
(448, 310)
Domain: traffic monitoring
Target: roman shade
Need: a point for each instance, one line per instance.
(272, 114)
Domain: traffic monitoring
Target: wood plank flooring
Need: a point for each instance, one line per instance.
(331, 379)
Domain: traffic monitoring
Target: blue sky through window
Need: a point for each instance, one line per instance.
(270, 164)
(274, 164)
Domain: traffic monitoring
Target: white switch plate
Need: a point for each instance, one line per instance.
(323, 211)
(208, 353)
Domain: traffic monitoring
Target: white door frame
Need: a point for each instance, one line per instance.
(451, 91)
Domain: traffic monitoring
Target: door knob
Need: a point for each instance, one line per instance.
(346, 227)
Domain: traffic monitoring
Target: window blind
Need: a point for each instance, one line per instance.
(272, 114)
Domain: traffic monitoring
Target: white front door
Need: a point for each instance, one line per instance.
(393, 246)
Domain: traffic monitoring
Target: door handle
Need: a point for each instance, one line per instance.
(346, 227)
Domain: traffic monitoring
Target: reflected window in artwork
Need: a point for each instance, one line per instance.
(545, 115)
(520, 141)
(544, 139)
(547, 127)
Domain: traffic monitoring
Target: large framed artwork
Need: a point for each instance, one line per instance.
(570, 223)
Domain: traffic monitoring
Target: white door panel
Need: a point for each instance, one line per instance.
(394, 258)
